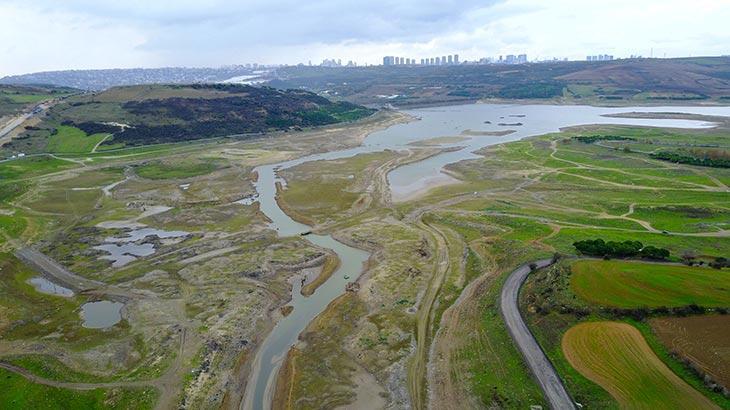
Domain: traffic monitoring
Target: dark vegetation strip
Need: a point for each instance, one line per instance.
(702, 159)
(625, 249)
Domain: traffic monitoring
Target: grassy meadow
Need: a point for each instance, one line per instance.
(636, 284)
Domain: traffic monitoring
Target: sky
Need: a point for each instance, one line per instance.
(41, 35)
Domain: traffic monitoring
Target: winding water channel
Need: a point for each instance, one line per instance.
(433, 122)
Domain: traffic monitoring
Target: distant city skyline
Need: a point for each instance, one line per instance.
(41, 35)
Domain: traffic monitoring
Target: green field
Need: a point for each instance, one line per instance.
(71, 140)
(162, 170)
(635, 284)
(616, 356)
(18, 393)
(20, 169)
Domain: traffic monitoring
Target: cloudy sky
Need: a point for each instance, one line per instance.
(37, 35)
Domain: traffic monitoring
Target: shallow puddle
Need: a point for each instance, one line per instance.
(122, 254)
(122, 250)
(44, 285)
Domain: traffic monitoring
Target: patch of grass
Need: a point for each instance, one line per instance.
(49, 367)
(163, 170)
(616, 356)
(635, 284)
(70, 139)
(16, 392)
(13, 225)
(678, 218)
(67, 201)
(32, 166)
(12, 190)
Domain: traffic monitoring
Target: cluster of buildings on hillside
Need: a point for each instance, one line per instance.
(445, 60)
(335, 63)
(508, 59)
(600, 57)
(454, 60)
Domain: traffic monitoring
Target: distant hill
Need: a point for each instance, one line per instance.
(627, 81)
(96, 80)
(702, 79)
(151, 114)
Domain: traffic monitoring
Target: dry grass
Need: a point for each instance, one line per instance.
(331, 263)
(615, 356)
(704, 340)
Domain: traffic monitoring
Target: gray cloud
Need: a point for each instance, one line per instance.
(58, 34)
(276, 22)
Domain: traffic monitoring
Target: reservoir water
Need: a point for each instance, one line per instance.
(433, 122)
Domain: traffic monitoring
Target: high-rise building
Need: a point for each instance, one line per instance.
(456, 59)
(438, 60)
(450, 59)
(388, 60)
(443, 60)
(423, 61)
(433, 61)
(522, 59)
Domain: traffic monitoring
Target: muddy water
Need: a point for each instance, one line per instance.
(434, 122)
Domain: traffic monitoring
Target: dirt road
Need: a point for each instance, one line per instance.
(49, 267)
(417, 369)
(541, 368)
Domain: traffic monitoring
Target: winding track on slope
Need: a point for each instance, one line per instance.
(541, 368)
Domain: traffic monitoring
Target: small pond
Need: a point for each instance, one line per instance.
(122, 254)
(102, 314)
(124, 249)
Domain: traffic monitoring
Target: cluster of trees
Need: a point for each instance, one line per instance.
(641, 313)
(542, 89)
(625, 249)
(720, 263)
(91, 128)
(706, 159)
(232, 109)
(590, 139)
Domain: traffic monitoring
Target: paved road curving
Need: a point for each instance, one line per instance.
(541, 368)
